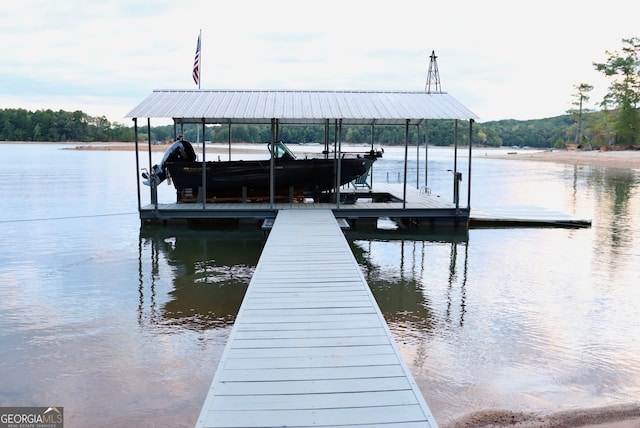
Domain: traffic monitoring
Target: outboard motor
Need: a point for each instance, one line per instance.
(180, 151)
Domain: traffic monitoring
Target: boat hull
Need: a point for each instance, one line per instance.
(250, 180)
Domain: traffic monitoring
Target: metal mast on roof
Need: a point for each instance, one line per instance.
(433, 76)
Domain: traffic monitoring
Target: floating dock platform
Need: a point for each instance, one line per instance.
(309, 346)
(524, 216)
(410, 207)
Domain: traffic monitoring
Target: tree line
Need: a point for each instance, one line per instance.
(59, 126)
(63, 126)
(617, 122)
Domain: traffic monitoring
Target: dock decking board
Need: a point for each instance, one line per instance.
(310, 346)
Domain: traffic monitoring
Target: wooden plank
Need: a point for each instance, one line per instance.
(308, 326)
(356, 415)
(308, 333)
(310, 346)
(318, 401)
(315, 352)
(350, 310)
(246, 374)
(329, 386)
(265, 317)
(332, 361)
(310, 342)
(302, 304)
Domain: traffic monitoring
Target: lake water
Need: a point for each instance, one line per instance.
(124, 326)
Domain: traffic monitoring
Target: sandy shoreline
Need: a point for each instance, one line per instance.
(622, 416)
(620, 159)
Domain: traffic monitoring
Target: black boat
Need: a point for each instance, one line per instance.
(243, 180)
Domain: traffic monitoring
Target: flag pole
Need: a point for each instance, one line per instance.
(197, 62)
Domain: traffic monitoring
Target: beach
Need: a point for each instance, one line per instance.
(620, 159)
(623, 416)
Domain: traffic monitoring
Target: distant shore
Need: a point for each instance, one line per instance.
(621, 159)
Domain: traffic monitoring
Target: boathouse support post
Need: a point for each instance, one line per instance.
(426, 155)
(339, 173)
(272, 181)
(326, 138)
(335, 157)
(418, 156)
(406, 155)
(456, 187)
(229, 140)
(204, 169)
(373, 131)
(135, 139)
(153, 185)
(469, 171)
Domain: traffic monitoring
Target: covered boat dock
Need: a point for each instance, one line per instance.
(331, 109)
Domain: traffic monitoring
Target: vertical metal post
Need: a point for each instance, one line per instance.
(153, 184)
(339, 173)
(335, 158)
(455, 157)
(456, 190)
(272, 164)
(418, 156)
(426, 154)
(135, 139)
(326, 139)
(469, 171)
(406, 155)
(204, 169)
(229, 140)
(373, 131)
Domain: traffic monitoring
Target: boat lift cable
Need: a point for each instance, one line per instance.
(22, 220)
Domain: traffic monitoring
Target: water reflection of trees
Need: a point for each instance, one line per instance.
(616, 213)
(194, 278)
(396, 275)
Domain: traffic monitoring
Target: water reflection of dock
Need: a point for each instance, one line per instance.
(310, 345)
(194, 278)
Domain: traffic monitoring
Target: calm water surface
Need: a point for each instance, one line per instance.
(124, 326)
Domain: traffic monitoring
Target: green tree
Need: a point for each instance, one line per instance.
(623, 67)
(580, 97)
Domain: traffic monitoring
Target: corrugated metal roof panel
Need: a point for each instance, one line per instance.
(300, 107)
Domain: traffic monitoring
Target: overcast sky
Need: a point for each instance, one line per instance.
(503, 59)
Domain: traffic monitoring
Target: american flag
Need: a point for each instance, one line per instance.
(196, 64)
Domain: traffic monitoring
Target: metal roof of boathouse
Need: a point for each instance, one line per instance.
(306, 107)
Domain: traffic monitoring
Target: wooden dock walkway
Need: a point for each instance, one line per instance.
(310, 346)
